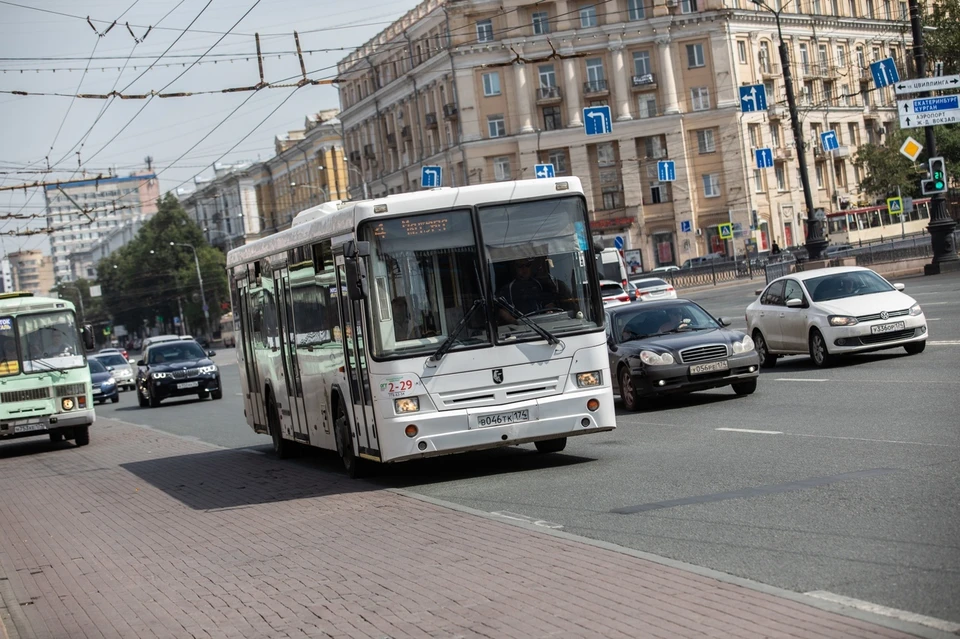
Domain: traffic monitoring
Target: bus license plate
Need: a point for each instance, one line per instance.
(709, 367)
(188, 385)
(887, 328)
(26, 428)
(500, 419)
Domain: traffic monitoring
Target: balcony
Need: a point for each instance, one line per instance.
(369, 152)
(549, 95)
(776, 112)
(406, 133)
(643, 82)
(782, 153)
(595, 88)
(431, 119)
(391, 140)
(818, 70)
(450, 111)
(355, 157)
(770, 70)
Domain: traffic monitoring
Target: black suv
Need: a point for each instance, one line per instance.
(175, 369)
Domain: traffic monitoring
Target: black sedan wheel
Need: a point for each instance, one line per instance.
(628, 392)
(746, 387)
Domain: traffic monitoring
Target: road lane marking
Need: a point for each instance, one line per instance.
(903, 615)
(944, 342)
(529, 520)
(800, 379)
(869, 439)
(750, 430)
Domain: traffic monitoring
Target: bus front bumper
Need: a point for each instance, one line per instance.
(28, 427)
(447, 432)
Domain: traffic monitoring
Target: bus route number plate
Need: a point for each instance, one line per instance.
(501, 419)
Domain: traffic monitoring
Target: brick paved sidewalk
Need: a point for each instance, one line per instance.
(142, 534)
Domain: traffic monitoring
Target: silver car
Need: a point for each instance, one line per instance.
(122, 370)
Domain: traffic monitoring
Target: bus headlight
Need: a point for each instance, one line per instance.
(593, 378)
(67, 403)
(406, 404)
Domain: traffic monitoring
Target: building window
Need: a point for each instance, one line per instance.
(695, 56)
(853, 133)
(641, 63)
(817, 9)
(754, 131)
(541, 23)
(688, 6)
(484, 30)
(705, 141)
(841, 56)
(606, 156)
(711, 185)
(819, 172)
(635, 9)
(742, 51)
(853, 9)
(551, 118)
(501, 168)
(870, 9)
(548, 77)
(781, 176)
(558, 159)
(699, 98)
(595, 75)
(775, 136)
(840, 173)
(495, 126)
(491, 84)
(828, 93)
(647, 105)
(588, 16)
(758, 180)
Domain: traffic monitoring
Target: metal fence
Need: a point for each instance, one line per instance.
(711, 274)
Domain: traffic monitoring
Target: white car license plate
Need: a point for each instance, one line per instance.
(709, 367)
(188, 385)
(26, 428)
(500, 419)
(887, 328)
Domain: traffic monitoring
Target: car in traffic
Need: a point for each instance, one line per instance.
(838, 250)
(176, 368)
(156, 339)
(665, 269)
(613, 292)
(654, 288)
(120, 367)
(103, 383)
(830, 312)
(120, 351)
(703, 260)
(675, 346)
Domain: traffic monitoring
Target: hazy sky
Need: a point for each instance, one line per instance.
(54, 127)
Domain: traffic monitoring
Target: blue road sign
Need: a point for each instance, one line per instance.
(666, 171)
(544, 171)
(618, 242)
(431, 176)
(753, 98)
(884, 72)
(686, 226)
(597, 120)
(828, 139)
(764, 158)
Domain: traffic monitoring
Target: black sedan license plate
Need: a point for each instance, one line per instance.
(887, 328)
(500, 419)
(709, 367)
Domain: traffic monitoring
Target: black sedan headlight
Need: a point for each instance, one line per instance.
(651, 358)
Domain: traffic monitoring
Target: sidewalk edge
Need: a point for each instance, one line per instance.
(926, 632)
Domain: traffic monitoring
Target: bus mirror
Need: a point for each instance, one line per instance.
(353, 250)
(356, 279)
(87, 333)
(363, 249)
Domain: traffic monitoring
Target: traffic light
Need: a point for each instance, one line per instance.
(938, 177)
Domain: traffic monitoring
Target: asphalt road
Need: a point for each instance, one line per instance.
(854, 489)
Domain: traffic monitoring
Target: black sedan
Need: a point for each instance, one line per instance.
(674, 346)
(175, 369)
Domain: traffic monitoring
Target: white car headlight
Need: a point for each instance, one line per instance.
(111, 381)
(208, 369)
(406, 405)
(744, 346)
(842, 320)
(593, 378)
(915, 310)
(656, 359)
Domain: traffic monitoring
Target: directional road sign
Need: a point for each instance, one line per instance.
(597, 120)
(726, 231)
(884, 72)
(828, 139)
(911, 148)
(544, 171)
(928, 111)
(666, 171)
(764, 158)
(753, 98)
(927, 84)
(618, 242)
(431, 176)
(895, 205)
(686, 226)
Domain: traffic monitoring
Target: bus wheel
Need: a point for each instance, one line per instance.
(281, 447)
(341, 429)
(81, 435)
(551, 445)
(56, 436)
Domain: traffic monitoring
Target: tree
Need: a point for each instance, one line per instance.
(941, 39)
(884, 168)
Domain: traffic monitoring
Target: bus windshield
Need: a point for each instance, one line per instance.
(425, 276)
(538, 252)
(49, 341)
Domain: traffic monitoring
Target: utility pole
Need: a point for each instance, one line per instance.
(941, 226)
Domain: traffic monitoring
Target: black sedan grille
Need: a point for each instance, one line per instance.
(190, 372)
(887, 337)
(876, 316)
(703, 353)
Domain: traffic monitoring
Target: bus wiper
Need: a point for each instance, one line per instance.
(452, 338)
(541, 331)
(49, 367)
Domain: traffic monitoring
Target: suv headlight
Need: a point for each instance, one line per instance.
(593, 378)
(159, 375)
(744, 346)
(656, 359)
(406, 405)
(208, 369)
(842, 320)
(915, 310)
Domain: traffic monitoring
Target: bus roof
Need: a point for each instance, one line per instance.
(336, 218)
(24, 302)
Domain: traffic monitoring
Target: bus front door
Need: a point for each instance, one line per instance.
(294, 409)
(253, 393)
(361, 399)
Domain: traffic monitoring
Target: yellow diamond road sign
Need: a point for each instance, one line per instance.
(911, 148)
(726, 231)
(895, 205)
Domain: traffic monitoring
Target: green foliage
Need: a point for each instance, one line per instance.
(884, 168)
(942, 42)
(145, 278)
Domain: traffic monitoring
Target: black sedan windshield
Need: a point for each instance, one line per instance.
(174, 352)
(644, 321)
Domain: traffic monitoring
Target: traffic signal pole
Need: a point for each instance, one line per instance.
(941, 225)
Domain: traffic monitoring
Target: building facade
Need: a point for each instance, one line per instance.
(488, 90)
(32, 271)
(85, 213)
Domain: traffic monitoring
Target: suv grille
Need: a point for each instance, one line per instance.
(703, 353)
(876, 316)
(190, 372)
(25, 395)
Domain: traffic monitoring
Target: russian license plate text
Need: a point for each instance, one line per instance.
(887, 328)
(513, 417)
(709, 367)
(188, 385)
(26, 428)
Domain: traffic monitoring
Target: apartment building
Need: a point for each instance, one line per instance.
(31, 271)
(487, 90)
(84, 212)
(225, 206)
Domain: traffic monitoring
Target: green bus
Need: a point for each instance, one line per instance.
(44, 378)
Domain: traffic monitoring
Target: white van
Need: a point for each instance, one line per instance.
(147, 341)
(611, 266)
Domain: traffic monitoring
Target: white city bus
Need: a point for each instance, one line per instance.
(389, 329)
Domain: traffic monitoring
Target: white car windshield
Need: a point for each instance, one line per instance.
(840, 285)
(111, 359)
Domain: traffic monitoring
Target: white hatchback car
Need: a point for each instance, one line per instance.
(834, 311)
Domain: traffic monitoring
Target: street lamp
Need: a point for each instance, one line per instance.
(203, 297)
(363, 179)
(79, 296)
(815, 239)
(326, 198)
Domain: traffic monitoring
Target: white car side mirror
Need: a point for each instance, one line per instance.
(899, 286)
